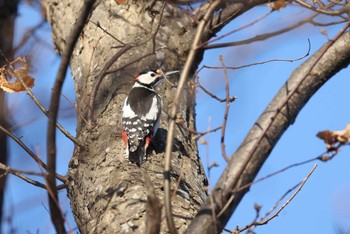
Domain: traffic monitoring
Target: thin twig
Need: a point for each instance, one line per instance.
(263, 222)
(20, 174)
(323, 11)
(57, 215)
(262, 36)
(184, 75)
(31, 153)
(98, 25)
(264, 217)
(195, 134)
(75, 107)
(213, 213)
(231, 99)
(7, 170)
(263, 62)
(237, 30)
(99, 79)
(105, 71)
(200, 134)
(227, 108)
(129, 63)
(178, 181)
(153, 38)
(322, 157)
(39, 105)
(278, 110)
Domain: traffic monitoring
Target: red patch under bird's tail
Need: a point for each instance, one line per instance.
(125, 138)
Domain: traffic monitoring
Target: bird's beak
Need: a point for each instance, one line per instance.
(160, 73)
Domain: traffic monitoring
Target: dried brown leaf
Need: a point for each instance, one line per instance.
(8, 72)
(327, 136)
(335, 139)
(279, 4)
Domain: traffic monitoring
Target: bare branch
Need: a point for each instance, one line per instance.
(230, 10)
(259, 63)
(153, 208)
(227, 108)
(343, 10)
(105, 70)
(31, 153)
(37, 102)
(262, 36)
(20, 174)
(152, 52)
(7, 170)
(324, 157)
(99, 79)
(108, 33)
(169, 144)
(57, 216)
(238, 29)
(280, 113)
(289, 200)
(264, 221)
(231, 99)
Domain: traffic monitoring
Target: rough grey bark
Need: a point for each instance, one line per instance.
(106, 192)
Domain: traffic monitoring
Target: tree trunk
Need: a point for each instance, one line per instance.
(107, 193)
(8, 13)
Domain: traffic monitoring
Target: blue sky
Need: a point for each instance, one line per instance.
(323, 203)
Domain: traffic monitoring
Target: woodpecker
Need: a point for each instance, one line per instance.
(141, 115)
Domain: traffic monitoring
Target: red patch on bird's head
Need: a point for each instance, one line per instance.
(136, 77)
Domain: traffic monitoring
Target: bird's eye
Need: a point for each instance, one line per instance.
(153, 74)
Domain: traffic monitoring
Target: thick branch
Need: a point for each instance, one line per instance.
(276, 118)
(230, 11)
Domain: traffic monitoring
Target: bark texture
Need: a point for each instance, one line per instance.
(107, 193)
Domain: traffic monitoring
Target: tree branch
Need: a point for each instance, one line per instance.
(20, 174)
(262, 37)
(276, 118)
(339, 12)
(172, 115)
(39, 105)
(153, 207)
(56, 213)
(227, 108)
(264, 220)
(99, 79)
(231, 10)
(31, 153)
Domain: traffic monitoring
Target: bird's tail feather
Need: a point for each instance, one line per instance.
(138, 155)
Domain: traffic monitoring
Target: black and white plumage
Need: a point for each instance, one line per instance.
(141, 115)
